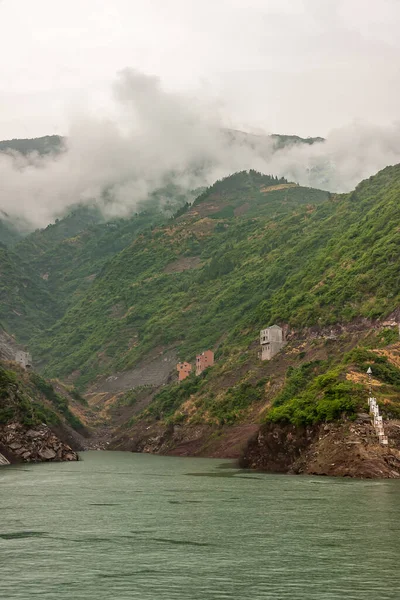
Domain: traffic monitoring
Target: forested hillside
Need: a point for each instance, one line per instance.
(251, 251)
(72, 252)
(94, 299)
(8, 234)
(26, 306)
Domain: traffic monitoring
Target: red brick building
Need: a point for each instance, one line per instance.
(204, 360)
(184, 369)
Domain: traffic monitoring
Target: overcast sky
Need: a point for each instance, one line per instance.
(288, 66)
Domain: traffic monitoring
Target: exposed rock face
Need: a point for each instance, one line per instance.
(21, 444)
(3, 460)
(182, 440)
(345, 449)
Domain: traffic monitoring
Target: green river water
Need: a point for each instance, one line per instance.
(121, 526)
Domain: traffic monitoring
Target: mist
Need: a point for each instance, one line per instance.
(158, 137)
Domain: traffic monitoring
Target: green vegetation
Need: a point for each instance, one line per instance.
(252, 250)
(59, 402)
(314, 394)
(8, 233)
(24, 400)
(167, 401)
(234, 404)
(325, 398)
(26, 306)
(382, 369)
(297, 379)
(289, 140)
(295, 255)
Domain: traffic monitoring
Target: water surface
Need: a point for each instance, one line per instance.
(119, 526)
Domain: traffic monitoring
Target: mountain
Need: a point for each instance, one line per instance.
(337, 295)
(42, 145)
(129, 298)
(169, 287)
(55, 143)
(258, 140)
(12, 231)
(250, 251)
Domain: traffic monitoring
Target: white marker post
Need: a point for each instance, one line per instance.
(374, 411)
(369, 373)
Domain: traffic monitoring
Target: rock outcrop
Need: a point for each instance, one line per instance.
(344, 449)
(4, 460)
(39, 444)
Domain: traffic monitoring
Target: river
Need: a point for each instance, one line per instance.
(121, 526)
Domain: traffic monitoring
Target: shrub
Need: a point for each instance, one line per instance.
(325, 399)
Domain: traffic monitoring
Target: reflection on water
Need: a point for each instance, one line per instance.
(123, 526)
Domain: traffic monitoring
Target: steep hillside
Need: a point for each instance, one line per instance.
(305, 411)
(251, 251)
(50, 268)
(139, 294)
(26, 306)
(8, 233)
(69, 254)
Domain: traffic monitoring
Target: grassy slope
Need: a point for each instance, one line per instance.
(71, 252)
(27, 302)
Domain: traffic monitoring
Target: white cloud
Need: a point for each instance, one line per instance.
(160, 135)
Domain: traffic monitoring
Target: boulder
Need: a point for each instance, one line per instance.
(70, 456)
(33, 434)
(15, 446)
(20, 451)
(47, 454)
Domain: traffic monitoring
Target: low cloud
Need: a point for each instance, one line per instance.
(160, 137)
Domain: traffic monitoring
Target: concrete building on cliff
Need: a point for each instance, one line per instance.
(204, 360)
(24, 359)
(272, 340)
(184, 369)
